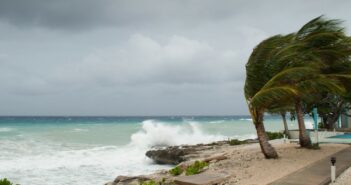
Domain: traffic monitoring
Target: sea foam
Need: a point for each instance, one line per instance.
(35, 161)
(5, 129)
(155, 133)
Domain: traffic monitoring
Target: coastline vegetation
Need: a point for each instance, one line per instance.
(5, 181)
(236, 142)
(297, 72)
(274, 135)
(195, 168)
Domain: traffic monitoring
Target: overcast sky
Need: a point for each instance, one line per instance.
(145, 57)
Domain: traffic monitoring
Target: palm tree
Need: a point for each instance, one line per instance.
(258, 73)
(292, 86)
(320, 43)
(286, 70)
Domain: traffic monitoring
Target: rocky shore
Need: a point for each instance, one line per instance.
(242, 164)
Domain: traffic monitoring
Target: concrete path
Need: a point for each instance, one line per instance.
(318, 173)
(201, 179)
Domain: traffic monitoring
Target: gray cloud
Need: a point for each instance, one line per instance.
(108, 57)
(81, 14)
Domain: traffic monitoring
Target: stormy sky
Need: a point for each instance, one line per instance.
(138, 57)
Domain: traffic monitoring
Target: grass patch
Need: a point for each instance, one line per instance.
(236, 142)
(176, 171)
(192, 169)
(315, 146)
(274, 135)
(153, 182)
(196, 168)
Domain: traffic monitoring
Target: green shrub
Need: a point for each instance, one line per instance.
(150, 182)
(195, 168)
(176, 171)
(236, 142)
(274, 135)
(315, 146)
(5, 182)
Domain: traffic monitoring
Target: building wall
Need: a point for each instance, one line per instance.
(346, 121)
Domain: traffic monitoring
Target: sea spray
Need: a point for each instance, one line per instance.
(155, 133)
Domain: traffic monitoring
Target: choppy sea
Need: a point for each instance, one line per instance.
(94, 150)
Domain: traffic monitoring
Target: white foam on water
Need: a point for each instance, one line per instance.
(245, 119)
(5, 129)
(80, 130)
(219, 121)
(156, 133)
(33, 161)
(37, 163)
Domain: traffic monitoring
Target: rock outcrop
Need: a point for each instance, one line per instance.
(128, 180)
(177, 154)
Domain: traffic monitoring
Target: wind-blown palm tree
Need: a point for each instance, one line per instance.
(292, 86)
(258, 72)
(321, 43)
(285, 70)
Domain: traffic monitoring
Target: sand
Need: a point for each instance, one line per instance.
(246, 164)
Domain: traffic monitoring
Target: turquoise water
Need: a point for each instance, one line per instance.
(94, 150)
(343, 136)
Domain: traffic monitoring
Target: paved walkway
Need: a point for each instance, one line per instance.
(201, 179)
(318, 173)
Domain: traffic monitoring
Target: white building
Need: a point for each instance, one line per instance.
(346, 121)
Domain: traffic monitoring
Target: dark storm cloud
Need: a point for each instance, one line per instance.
(112, 57)
(80, 14)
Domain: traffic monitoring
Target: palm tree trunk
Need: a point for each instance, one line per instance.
(286, 129)
(305, 140)
(267, 149)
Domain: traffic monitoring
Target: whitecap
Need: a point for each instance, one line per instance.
(245, 119)
(80, 130)
(219, 121)
(5, 129)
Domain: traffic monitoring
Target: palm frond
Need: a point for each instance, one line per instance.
(267, 97)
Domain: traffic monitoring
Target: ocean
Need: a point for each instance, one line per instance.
(94, 150)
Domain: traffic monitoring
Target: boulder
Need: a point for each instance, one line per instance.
(170, 155)
(177, 154)
(128, 180)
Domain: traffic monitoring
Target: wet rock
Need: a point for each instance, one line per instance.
(177, 154)
(128, 180)
(170, 155)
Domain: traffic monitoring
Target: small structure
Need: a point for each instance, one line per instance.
(346, 121)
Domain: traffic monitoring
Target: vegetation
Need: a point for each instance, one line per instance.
(150, 182)
(153, 182)
(5, 182)
(275, 135)
(236, 142)
(315, 146)
(195, 168)
(295, 72)
(176, 171)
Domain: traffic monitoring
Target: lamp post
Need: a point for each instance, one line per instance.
(332, 170)
(315, 119)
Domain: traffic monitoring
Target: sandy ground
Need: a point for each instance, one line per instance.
(344, 178)
(246, 164)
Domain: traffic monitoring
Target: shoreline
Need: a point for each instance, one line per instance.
(245, 164)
